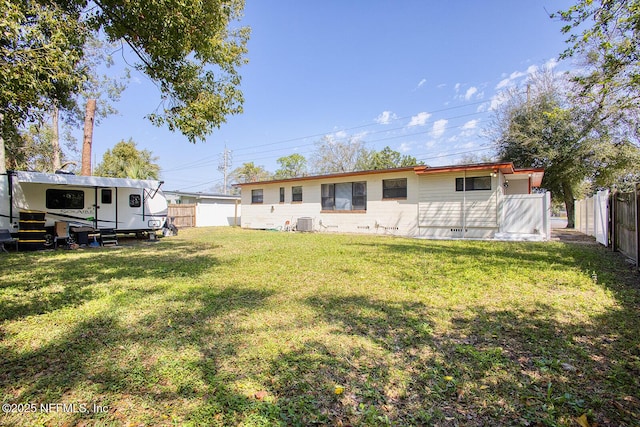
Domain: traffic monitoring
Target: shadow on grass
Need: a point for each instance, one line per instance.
(497, 256)
(163, 358)
(506, 367)
(59, 282)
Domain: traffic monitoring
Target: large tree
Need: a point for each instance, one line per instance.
(292, 166)
(249, 172)
(126, 161)
(191, 50)
(40, 48)
(385, 159)
(605, 35)
(540, 127)
(334, 156)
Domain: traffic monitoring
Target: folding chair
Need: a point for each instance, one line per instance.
(61, 232)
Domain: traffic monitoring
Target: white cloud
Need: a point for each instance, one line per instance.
(420, 119)
(532, 69)
(457, 87)
(551, 64)
(470, 92)
(385, 118)
(404, 147)
(510, 80)
(439, 126)
(422, 82)
(471, 124)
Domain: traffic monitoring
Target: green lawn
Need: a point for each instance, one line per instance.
(237, 327)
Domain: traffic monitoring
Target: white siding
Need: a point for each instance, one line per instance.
(444, 212)
(398, 217)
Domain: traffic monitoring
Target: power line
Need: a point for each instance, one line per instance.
(207, 160)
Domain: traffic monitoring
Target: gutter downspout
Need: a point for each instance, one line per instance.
(464, 205)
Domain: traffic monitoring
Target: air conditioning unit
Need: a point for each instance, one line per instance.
(304, 224)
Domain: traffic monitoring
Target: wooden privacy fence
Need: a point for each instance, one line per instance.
(183, 215)
(625, 227)
(613, 219)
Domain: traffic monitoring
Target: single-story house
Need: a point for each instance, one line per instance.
(482, 201)
(208, 209)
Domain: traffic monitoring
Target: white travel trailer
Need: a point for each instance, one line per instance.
(119, 204)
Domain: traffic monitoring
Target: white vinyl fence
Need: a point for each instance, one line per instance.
(527, 214)
(592, 216)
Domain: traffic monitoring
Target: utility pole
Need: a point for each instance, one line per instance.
(224, 166)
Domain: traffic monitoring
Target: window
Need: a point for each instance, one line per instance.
(64, 199)
(346, 196)
(256, 196)
(281, 194)
(296, 194)
(135, 201)
(474, 183)
(394, 188)
(106, 196)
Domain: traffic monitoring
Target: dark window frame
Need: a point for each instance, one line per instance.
(257, 196)
(135, 200)
(474, 183)
(282, 194)
(64, 199)
(392, 192)
(106, 196)
(358, 197)
(296, 194)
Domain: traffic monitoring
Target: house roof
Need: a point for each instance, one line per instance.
(506, 168)
(332, 175)
(198, 195)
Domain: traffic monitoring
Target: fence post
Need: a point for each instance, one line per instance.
(637, 208)
(614, 226)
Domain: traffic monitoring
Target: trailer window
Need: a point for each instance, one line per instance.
(106, 197)
(135, 201)
(64, 199)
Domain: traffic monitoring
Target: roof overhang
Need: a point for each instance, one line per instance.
(329, 176)
(535, 175)
(506, 168)
(84, 181)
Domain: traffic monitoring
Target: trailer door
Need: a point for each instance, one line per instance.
(106, 216)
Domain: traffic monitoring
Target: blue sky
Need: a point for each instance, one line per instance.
(418, 76)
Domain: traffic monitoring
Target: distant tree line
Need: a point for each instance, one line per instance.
(330, 156)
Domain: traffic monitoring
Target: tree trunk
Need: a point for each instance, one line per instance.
(88, 137)
(3, 160)
(55, 139)
(570, 204)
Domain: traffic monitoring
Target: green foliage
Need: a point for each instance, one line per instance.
(292, 166)
(546, 129)
(126, 161)
(385, 159)
(606, 34)
(191, 51)
(40, 50)
(249, 172)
